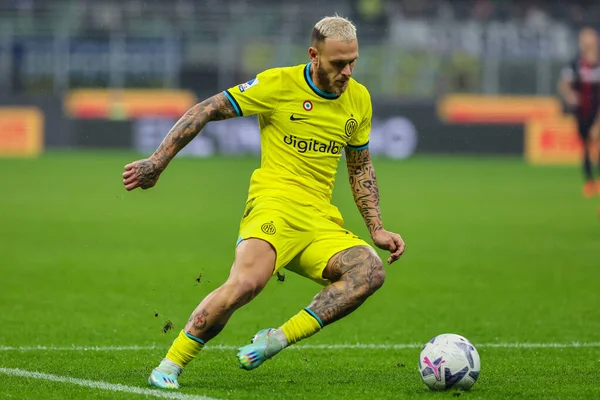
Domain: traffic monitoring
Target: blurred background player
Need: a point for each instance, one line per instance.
(307, 114)
(579, 86)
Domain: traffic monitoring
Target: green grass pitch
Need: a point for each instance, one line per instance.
(498, 251)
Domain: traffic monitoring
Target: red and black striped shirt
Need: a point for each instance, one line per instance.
(585, 80)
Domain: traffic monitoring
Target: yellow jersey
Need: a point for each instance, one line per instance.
(303, 133)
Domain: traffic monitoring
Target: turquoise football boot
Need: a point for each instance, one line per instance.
(263, 346)
(162, 380)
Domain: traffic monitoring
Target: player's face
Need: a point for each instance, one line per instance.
(334, 61)
(588, 40)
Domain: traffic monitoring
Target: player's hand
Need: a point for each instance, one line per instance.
(391, 242)
(142, 173)
(571, 99)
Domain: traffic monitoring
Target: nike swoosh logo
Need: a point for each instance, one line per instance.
(293, 118)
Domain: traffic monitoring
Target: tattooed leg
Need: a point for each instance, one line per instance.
(356, 274)
(206, 325)
(255, 260)
(251, 271)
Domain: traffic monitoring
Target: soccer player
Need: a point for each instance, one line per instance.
(307, 115)
(580, 88)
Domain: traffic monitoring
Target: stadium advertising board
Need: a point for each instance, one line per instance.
(550, 136)
(399, 130)
(553, 141)
(101, 134)
(473, 109)
(393, 137)
(127, 104)
(21, 131)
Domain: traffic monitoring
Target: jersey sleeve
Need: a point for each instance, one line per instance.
(257, 96)
(360, 138)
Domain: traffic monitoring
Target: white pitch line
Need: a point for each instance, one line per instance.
(100, 385)
(355, 346)
(540, 345)
(78, 348)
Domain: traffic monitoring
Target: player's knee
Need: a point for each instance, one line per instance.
(376, 273)
(364, 269)
(372, 275)
(243, 289)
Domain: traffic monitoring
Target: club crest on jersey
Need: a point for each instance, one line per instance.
(307, 105)
(351, 126)
(245, 86)
(268, 228)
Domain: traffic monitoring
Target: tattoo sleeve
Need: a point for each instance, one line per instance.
(364, 187)
(215, 108)
(356, 273)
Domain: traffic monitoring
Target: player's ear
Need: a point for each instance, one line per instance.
(313, 53)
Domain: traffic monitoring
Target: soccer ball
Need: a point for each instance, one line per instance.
(449, 361)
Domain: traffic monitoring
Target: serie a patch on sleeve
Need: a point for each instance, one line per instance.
(245, 86)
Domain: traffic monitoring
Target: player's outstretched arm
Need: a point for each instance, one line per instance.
(144, 173)
(363, 181)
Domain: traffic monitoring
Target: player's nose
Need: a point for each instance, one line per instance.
(347, 71)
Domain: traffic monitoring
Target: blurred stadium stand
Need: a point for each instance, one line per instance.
(415, 56)
(415, 49)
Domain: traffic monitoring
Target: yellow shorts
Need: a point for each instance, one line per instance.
(304, 238)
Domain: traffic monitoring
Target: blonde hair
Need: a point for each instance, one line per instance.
(334, 27)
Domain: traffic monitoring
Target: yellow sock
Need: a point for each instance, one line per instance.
(184, 348)
(302, 325)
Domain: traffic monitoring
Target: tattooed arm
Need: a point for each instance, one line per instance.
(144, 173)
(363, 182)
(364, 187)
